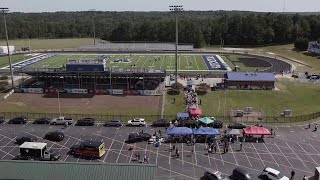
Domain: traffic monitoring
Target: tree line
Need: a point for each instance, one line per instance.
(198, 28)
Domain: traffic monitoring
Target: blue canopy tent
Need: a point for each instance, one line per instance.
(206, 131)
(179, 131)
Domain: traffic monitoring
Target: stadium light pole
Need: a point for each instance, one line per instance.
(4, 11)
(176, 10)
(93, 25)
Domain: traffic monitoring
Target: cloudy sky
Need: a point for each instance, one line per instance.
(161, 5)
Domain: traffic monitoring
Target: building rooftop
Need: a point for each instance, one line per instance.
(250, 76)
(79, 171)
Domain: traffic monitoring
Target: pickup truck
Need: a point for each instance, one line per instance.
(61, 121)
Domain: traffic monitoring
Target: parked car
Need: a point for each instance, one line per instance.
(113, 123)
(43, 120)
(22, 139)
(215, 176)
(273, 174)
(189, 123)
(138, 137)
(61, 121)
(242, 174)
(18, 120)
(217, 124)
(137, 122)
(161, 123)
(2, 119)
(54, 136)
(85, 122)
(313, 76)
(237, 126)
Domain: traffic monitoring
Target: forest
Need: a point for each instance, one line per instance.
(199, 28)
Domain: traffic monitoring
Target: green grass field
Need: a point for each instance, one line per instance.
(48, 43)
(185, 62)
(234, 61)
(301, 98)
(4, 61)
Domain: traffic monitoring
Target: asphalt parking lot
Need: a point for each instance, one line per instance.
(293, 148)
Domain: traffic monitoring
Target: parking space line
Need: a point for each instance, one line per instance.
(195, 154)
(182, 153)
(157, 155)
(308, 154)
(120, 151)
(170, 155)
(276, 128)
(104, 159)
(75, 141)
(283, 154)
(6, 145)
(246, 155)
(314, 149)
(297, 156)
(258, 155)
(271, 154)
(233, 155)
(220, 152)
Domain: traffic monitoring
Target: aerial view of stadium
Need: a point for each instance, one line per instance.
(215, 90)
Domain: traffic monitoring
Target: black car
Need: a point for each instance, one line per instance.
(242, 174)
(2, 119)
(21, 140)
(161, 123)
(217, 124)
(189, 123)
(18, 120)
(237, 126)
(85, 122)
(54, 136)
(113, 123)
(138, 137)
(43, 120)
(214, 176)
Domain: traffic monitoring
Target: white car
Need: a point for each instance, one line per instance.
(273, 174)
(61, 121)
(137, 122)
(152, 140)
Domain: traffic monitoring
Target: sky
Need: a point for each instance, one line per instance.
(161, 5)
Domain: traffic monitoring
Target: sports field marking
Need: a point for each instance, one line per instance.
(162, 59)
(145, 62)
(188, 62)
(131, 60)
(179, 62)
(195, 61)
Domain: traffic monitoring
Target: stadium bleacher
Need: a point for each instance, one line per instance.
(135, 47)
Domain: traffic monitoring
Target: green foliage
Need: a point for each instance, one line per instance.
(3, 85)
(202, 88)
(301, 44)
(199, 28)
(4, 78)
(177, 86)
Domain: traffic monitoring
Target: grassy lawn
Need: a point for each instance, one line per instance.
(300, 98)
(48, 43)
(234, 60)
(288, 52)
(4, 60)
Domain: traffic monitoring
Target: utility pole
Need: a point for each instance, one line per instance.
(176, 10)
(93, 26)
(4, 11)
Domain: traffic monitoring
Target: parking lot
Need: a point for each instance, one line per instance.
(293, 148)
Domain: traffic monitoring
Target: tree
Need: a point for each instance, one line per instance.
(177, 86)
(301, 44)
(3, 85)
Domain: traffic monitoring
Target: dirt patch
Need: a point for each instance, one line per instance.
(98, 104)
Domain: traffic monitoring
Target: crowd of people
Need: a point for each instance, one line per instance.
(191, 98)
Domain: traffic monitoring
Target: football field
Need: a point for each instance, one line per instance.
(186, 62)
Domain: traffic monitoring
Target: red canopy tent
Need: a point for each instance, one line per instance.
(195, 112)
(256, 131)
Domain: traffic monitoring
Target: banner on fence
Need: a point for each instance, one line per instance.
(35, 90)
(151, 93)
(79, 91)
(117, 91)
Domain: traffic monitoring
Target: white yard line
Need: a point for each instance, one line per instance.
(170, 63)
(104, 159)
(196, 61)
(162, 59)
(187, 62)
(271, 155)
(145, 62)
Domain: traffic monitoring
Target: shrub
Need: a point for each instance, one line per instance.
(173, 92)
(4, 78)
(177, 86)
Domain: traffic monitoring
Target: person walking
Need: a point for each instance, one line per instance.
(174, 100)
(177, 153)
(173, 147)
(304, 177)
(215, 149)
(240, 146)
(316, 127)
(292, 174)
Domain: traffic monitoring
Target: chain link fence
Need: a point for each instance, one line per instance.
(150, 118)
